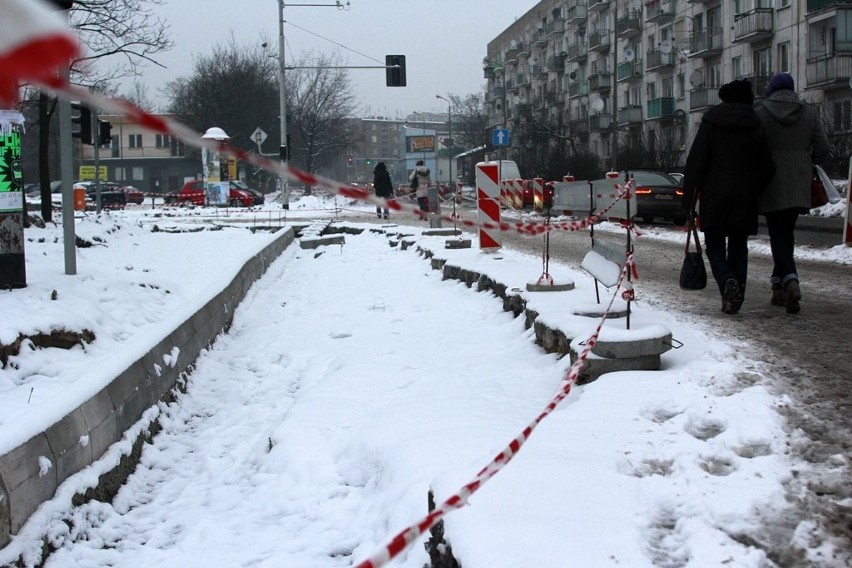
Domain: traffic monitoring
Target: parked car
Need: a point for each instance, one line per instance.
(112, 196)
(259, 198)
(192, 193)
(658, 195)
(133, 194)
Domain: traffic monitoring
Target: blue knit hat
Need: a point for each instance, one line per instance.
(780, 81)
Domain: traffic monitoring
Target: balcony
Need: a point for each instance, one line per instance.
(754, 25)
(555, 98)
(556, 63)
(498, 93)
(511, 86)
(817, 5)
(578, 89)
(540, 38)
(523, 109)
(658, 60)
(488, 71)
(827, 71)
(600, 122)
(523, 49)
(630, 115)
(597, 5)
(705, 43)
(600, 82)
(579, 126)
(522, 80)
(628, 26)
(661, 108)
(555, 28)
(538, 71)
(628, 70)
(703, 97)
(576, 14)
(512, 56)
(599, 40)
(578, 51)
(659, 11)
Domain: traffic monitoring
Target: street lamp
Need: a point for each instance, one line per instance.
(450, 183)
(284, 147)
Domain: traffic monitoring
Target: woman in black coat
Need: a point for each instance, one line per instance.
(728, 166)
(383, 186)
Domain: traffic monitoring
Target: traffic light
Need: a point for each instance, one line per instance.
(84, 120)
(349, 161)
(104, 133)
(369, 162)
(395, 70)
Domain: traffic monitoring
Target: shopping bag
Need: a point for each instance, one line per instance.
(830, 191)
(693, 275)
(818, 195)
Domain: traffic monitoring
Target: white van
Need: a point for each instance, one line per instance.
(507, 169)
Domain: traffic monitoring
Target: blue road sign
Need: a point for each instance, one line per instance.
(500, 137)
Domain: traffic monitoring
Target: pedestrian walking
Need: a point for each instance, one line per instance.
(797, 140)
(383, 187)
(728, 166)
(424, 181)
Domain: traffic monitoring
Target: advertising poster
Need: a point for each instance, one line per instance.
(11, 183)
(216, 189)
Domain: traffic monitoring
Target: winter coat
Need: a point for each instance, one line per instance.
(797, 140)
(424, 180)
(382, 183)
(729, 165)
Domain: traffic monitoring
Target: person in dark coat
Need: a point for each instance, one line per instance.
(383, 187)
(728, 166)
(797, 140)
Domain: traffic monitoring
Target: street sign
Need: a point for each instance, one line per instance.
(500, 137)
(88, 173)
(258, 136)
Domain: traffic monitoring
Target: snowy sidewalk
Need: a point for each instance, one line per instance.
(354, 381)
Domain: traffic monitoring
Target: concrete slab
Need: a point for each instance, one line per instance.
(458, 243)
(555, 287)
(312, 243)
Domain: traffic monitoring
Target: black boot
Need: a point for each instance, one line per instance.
(778, 298)
(791, 290)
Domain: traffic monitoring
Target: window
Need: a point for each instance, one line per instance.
(120, 174)
(737, 67)
(762, 62)
(134, 141)
(138, 173)
(162, 141)
(681, 86)
(668, 87)
(784, 57)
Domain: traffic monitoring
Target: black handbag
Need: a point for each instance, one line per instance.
(693, 275)
(414, 182)
(818, 195)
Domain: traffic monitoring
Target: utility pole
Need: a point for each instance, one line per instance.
(614, 116)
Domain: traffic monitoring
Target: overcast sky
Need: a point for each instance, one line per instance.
(444, 41)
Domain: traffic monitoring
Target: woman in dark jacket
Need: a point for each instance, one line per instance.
(383, 186)
(797, 141)
(728, 166)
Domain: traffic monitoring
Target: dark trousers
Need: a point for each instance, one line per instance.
(728, 257)
(379, 210)
(423, 202)
(781, 226)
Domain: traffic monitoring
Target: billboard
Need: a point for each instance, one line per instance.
(420, 143)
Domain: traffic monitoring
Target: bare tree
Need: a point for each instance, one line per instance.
(469, 121)
(319, 94)
(119, 37)
(235, 88)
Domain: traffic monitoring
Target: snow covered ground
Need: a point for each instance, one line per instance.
(353, 381)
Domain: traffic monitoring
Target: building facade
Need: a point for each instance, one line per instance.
(152, 162)
(642, 72)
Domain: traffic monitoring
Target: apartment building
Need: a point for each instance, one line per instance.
(642, 72)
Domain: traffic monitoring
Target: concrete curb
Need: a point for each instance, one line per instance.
(82, 436)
